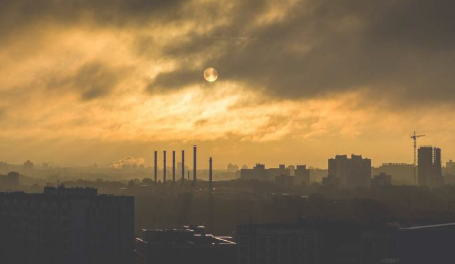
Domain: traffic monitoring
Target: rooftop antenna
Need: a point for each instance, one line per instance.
(415, 137)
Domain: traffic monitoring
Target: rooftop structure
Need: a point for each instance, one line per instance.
(189, 244)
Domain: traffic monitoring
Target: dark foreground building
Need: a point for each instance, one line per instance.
(345, 243)
(66, 226)
(314, 243)
(427, 244)
(187, 245)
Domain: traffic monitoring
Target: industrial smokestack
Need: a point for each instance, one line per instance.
(156, 164)
(210, 174)
(194, 163)
(173, 166)
(183, 166)
(164, 166)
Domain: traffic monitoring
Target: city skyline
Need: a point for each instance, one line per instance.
(203, 164)
(227, 131)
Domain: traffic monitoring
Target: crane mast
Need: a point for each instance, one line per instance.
(414, 137)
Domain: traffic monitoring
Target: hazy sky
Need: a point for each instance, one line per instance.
(94, 81)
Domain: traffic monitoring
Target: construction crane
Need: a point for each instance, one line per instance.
(415, 137)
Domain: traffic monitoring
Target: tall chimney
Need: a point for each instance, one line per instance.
(164, 166)
(183, 166)
(194, 163)
(210, 174)
(173, 166)
(156, 164)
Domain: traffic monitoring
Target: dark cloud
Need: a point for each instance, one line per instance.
(402, 49)
(92, 80)
(116, 12)
(19, 16)
(166, 82)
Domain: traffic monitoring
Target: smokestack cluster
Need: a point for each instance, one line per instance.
(183, 167)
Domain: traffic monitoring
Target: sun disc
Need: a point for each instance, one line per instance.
(210, 74)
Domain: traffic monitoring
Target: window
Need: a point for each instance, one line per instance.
(273, 241)
(262, 241)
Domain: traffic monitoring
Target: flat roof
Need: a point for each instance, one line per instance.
(428, 226)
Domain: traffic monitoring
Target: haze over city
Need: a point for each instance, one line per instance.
(227, 132)
(93, 82)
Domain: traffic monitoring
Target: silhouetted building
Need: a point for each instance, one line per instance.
(232, 168)
(291, 169)
(259, 172)
(450, 167)
(28, 165)
(427, 244)
(302, 175)
(187, 245)
(11, 180)
(449, 172)
(402, 173)
(285, 180)
(315, 243)
(381, 180)
(331, 180)
(429, 167)
(353, 172)
(66, 225)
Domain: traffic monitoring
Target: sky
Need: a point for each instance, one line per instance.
(300, 81)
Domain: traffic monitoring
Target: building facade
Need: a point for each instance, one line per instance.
(352, 172)
(302, 175)
(382, 179)
(402, 173)
(260, 173)
(429, 167)
(316, 243)
(66, 225)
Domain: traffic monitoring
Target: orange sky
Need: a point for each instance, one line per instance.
(95, 87)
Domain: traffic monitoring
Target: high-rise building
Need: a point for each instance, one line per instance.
(449, 172)
(302, 175)
(429, 167)
(66, 225)
(352, 172)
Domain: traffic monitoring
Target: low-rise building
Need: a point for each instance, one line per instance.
(381, 180)
(260, 173)
(189, 244)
